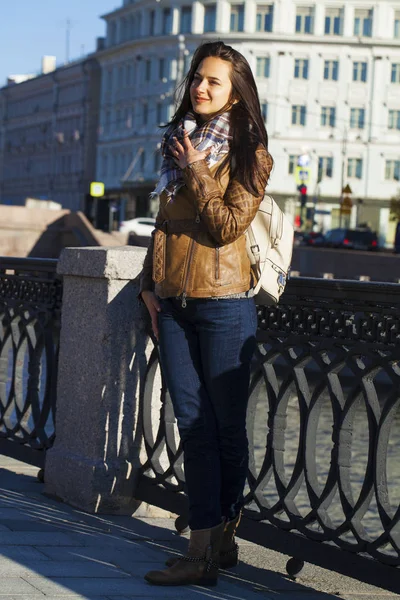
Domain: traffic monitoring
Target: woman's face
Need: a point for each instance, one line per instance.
(211, 88)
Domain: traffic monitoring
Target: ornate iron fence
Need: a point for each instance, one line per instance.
(323, 428)
(30, 307)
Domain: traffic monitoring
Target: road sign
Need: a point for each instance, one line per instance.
(302, 175)
(97, 189)
(346, 202)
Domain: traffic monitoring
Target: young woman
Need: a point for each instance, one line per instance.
(197, 285)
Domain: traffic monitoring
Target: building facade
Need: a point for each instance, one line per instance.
(328, 75)
(48, 135)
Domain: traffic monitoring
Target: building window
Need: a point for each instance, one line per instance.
(394, 119)
(292, 164)
(357, 118)
(363, 22)
(210, 18)
(162, 68)
(354, 168)
(392, 170)
(328, 116)
(265, 17)
(104, 165)
(152, 22)
(331, 70)
(186, 19)
(264, 110)
(325, 167)
(301, 68)
(237, 17)
(395, 73)
(397, 24)
(167, 21)
(298, 115)
(147, 70)
(263, 67)
(107, 121)
(334, 21)
(360, 71)
(161, 113)
(305, 19)
(145, 113)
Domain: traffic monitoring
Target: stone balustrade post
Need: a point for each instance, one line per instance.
(94, 462)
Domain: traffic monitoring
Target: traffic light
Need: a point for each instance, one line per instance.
(303, 194)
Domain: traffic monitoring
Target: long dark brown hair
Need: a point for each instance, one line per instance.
(247, 126)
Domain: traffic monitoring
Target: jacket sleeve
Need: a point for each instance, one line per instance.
(227, 215)
(146, 282)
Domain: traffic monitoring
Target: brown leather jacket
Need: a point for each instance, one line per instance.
(198, 248)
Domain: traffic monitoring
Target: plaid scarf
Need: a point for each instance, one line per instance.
(213, 134)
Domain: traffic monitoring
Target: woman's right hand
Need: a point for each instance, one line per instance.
(153, 306)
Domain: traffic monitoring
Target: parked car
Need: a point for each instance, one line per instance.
(314, 238)
(140, 227)
(355, 239)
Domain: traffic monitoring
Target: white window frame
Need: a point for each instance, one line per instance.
(355, 168)
(236, 23)
(329, 68)
(301, 68)
(299, 115)
(363, 16)
(302, 14)
(334, 14)
(394, 119)
(357, 118)
(265, 13)
(360, 70)
(325, 166)
(328, 116)
(263, 67)
(395, 73)
(392, 170)
(292, 163)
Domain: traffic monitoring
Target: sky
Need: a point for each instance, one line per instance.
(30, 29)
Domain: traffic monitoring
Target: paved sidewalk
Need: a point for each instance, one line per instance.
(50, 550)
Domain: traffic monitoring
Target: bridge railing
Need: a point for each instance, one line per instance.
(323, 420)
(323, 427)
(30, 311)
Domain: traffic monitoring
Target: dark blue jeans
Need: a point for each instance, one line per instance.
(205, 352)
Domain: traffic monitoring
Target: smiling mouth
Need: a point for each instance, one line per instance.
(201, 100)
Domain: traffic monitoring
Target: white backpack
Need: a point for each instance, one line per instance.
(269, 241)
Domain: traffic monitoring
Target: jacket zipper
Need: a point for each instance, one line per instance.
(217, 262)
(191, 251)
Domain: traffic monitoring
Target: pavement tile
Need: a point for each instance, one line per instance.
(52, 568)
(22, 553)
(16, 538)
(134, 588)
(139, 552)
(16, 586)
(29, 525)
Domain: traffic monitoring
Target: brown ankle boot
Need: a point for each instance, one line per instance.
(199, 566)
(229, 553)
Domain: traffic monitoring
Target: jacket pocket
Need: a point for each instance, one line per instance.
(159, 249)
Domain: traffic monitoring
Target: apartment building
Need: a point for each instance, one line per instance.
(328, 75)
(48, 135)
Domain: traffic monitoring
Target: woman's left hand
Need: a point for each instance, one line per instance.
(184, 153)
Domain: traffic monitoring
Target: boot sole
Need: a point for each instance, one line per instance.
(228, 565)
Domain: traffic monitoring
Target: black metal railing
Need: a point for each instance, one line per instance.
(323, 426)
(30, 311)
